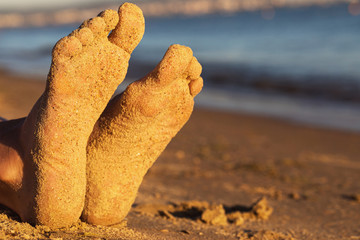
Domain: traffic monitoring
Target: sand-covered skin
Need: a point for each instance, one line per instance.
(132, 132)
(87, 67)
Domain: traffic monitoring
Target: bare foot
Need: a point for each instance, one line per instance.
(43, 157)
(132, 132)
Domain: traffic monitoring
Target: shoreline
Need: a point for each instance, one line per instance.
(308, 112)
(317, 113)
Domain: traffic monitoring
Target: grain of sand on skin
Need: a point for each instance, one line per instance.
(132, 132)
(86, 69)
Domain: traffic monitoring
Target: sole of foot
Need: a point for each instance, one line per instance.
(87, 66)
(134, 129)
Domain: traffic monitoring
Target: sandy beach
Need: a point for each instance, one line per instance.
(225, 176)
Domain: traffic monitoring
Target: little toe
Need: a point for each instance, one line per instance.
(84, 35)
(130, 28)
(111, 19)
(174, 63)
(97, 25)
(195, 86)
(66, 48)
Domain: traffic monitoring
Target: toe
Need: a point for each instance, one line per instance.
(97, 25)
(130, 29)
(174, 63)
(66, 47)
(84, 35)
(194, 69)
(111, 19)
(195, 86)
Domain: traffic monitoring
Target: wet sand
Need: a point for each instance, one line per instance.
(206, 183)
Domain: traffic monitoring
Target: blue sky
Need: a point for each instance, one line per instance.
(36, 4)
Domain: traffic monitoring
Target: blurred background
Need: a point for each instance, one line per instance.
(290, 59)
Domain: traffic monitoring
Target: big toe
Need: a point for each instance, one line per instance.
(130, 28)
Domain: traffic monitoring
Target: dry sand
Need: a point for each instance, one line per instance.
(208, 182)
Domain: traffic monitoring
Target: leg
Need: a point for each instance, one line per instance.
(50, 144)
(132, 132)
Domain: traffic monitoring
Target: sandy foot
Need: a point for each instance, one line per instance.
(132, 132)
(50, 145)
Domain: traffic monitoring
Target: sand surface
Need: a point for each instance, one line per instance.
(225, 176)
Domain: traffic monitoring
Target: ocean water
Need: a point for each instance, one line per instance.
(301, 56)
